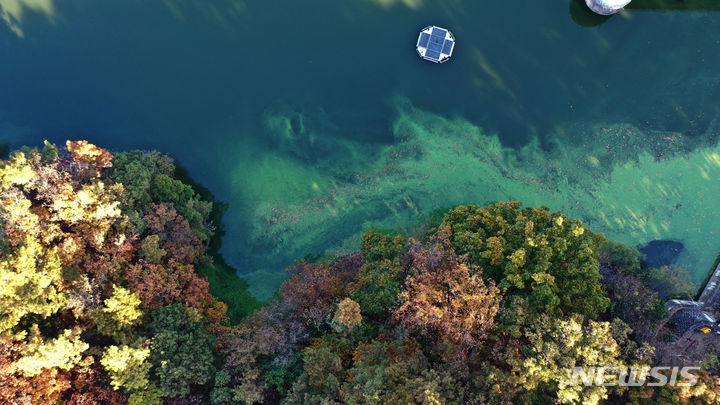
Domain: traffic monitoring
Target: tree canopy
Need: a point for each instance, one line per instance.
(94, 255)
(102, 302)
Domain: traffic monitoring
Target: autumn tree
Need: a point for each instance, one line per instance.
(175, 236)
(553, 348)
(159, 285)
(128, 367)
(119, 314)
(15, 387)
(705, 391)
(89, 248)
(91, 386)
(634, 302)
(89, 156)
(30, 283)
(347, 316)
(323, 368)
(313, 289)
(446, 297)
(40, 353)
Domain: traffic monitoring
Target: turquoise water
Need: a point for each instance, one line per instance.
(315, 118)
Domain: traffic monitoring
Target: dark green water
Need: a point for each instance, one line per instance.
(316, 118)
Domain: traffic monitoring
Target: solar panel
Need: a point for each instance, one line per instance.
(424, 38)
(434, 46)
(439, 32)
(437, 40)
(432, 54)
(447, 47)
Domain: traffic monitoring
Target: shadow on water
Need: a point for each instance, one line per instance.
(4, 149)
(585, 17)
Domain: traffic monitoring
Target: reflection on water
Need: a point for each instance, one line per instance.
(288, 110)
(413, 4)
(13, 12)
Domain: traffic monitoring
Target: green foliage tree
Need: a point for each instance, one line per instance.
(166, 189)
(378, 286)
(49, 152)
(397, 373)
(150, 396)
(531, 253)
(181, 350)
(671, 282)
(151, 251)
(626, 259)
(136, 171)
(379, 279)
(376, 246)
(323, 367)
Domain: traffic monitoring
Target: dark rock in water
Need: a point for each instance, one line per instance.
(660, 253)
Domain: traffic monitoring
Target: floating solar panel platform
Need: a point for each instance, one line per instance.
(435, 44)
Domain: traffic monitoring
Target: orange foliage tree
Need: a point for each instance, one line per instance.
(446, 297)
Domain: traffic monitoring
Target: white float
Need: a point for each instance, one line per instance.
(435, 44)
(607, 7)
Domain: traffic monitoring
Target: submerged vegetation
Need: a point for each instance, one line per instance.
(112, 293)
(319, 189)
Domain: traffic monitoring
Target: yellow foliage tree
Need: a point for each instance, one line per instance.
(63, 352)
(347, 317)
(128, 367)
(29, 280)
(120, 312)
(557, 346)
(17, 171)
(89, 155)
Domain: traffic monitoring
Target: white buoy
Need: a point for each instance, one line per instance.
(607, 7)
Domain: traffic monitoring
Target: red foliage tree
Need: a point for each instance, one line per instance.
(92, 387)
(177, 237)
(313, 288)
(159, 285)
(44, 388)
(275, 331)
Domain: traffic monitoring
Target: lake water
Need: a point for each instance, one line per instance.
(315, 119)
